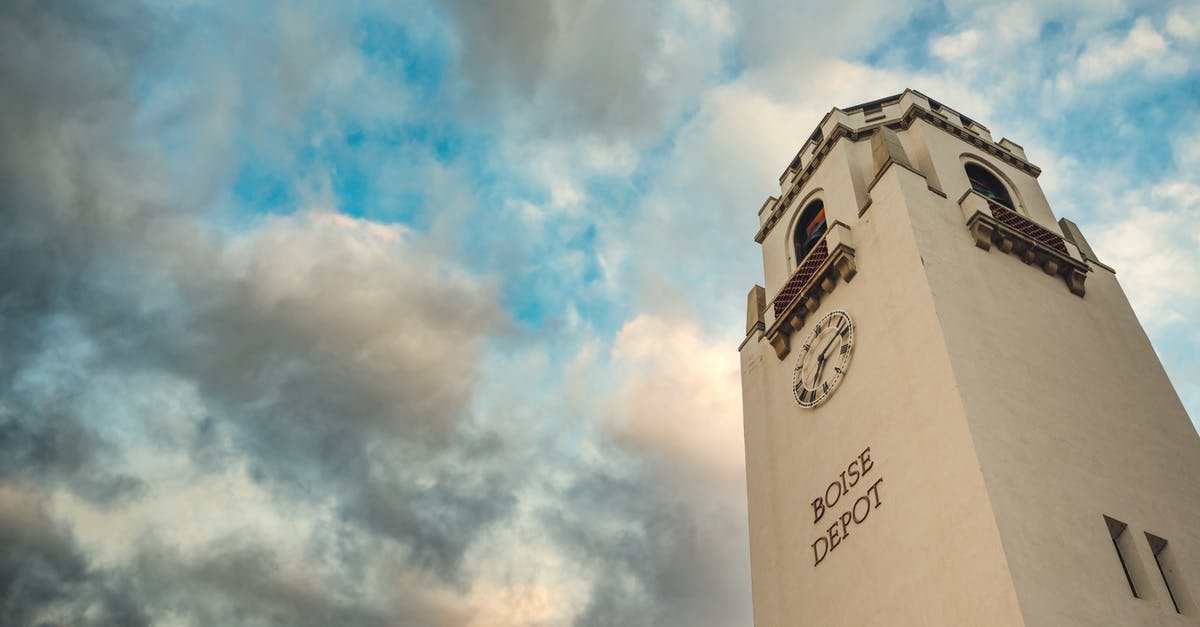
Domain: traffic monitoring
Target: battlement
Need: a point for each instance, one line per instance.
(860, 121)
(884, 111)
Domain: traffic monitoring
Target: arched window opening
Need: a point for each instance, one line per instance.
(988, 185)
(810, 228)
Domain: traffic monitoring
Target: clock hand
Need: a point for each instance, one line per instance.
(821, 359)
(817, 372)
(823, 356)
(830, 342)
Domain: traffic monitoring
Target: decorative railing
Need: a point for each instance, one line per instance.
(804, 275)
(991, 223)
(830, 262)
(1027, 227)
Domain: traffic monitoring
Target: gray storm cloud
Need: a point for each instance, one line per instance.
(329, 364)
(565, 69)
(331, 355)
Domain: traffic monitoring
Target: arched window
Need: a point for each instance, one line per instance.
(987, 184)
(810, 228)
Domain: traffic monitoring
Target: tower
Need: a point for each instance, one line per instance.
(952, 415)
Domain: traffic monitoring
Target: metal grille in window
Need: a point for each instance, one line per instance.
(802, 277)
(1025, 226)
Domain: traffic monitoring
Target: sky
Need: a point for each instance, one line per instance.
(411, 313)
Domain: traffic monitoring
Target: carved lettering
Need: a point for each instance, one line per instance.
(852, 469)
(863, 500)
(865, 459)
(875, 488)
(856, 514)
(845, 519)
(817, 557)
(837, 494)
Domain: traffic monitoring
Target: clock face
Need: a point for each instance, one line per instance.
(824, 358)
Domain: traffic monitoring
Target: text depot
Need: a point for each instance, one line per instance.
(838, 497)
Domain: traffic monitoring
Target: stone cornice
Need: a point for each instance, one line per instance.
(988, 146)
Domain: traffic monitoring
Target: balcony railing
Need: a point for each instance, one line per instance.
(991, 223)
(829, 262)
(1027, 227)
(803, 276)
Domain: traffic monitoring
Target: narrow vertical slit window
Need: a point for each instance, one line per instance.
(1116, 529)
(1158, 547)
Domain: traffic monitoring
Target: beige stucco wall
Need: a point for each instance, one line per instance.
(1005, 415)
(1073, 418)
(931, 553)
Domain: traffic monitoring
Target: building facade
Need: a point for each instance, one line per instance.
(952, 415)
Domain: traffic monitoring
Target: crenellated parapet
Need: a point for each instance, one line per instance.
(859, 123)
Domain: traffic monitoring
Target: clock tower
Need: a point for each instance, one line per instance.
(952, 415)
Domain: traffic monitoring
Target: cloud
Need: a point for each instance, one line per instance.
(957, 46)
(685, 248)
(44, 576)
(768, 31)
(679, 403)
(658, 513)
(653, 557)
(1184, 26)
(351, 306)
(329, 357)
(536, 64)
(1107, 57)
(1156, 251)
(1144, 226)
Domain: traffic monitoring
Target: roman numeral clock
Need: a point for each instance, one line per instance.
(823, 360)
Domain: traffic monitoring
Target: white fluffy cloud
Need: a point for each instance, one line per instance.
(1184, 24)
(679, 403)
(1142, 49)
(957, 46)
(1156, 250)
